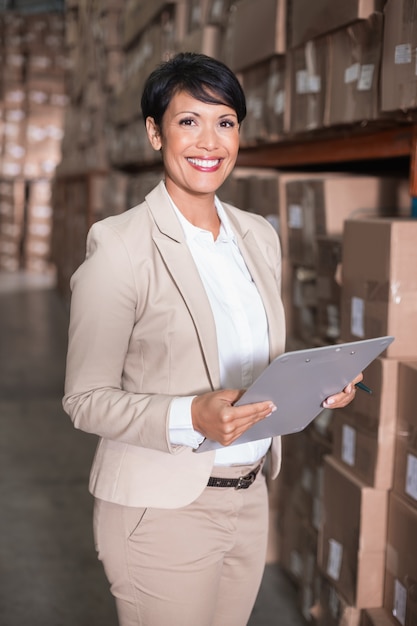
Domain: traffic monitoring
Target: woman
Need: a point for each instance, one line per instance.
(174, 312)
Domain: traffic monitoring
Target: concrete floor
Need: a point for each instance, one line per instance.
(48, 569)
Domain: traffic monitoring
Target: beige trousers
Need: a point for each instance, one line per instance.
(200, 565)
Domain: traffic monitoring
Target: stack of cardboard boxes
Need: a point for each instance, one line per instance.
(365, 489)
(347, 245)
(374, 450)
(32, 104)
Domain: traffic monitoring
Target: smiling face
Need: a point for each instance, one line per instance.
(199, 142)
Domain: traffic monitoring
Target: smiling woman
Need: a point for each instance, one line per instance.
(175, 311)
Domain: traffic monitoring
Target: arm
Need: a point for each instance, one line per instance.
(103, 311)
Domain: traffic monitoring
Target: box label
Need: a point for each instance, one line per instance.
(295, 216)
(296, 563)
(314, 84)
(402, 54)
(400, 602)
(306, 83)
(333, 325)
(307, 480)
(348, 445)
(357, 326)
(279, 102)
(334, 562)
(352, 73)
(301, 80)
(411, 477)
(366, 77)
(217, 8)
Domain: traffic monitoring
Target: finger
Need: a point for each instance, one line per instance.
(239, 419)
(256, 408)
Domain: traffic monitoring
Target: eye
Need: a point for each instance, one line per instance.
(227, 123)
(187, 121)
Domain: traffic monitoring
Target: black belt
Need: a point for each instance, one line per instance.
(243, 482)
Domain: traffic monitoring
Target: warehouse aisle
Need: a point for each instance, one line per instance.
(48, 568)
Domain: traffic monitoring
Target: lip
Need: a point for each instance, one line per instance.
(205, 164)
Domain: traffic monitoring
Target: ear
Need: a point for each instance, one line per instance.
(154, 134)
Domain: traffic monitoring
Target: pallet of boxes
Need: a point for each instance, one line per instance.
(32, 105)
(343, 269)
(369, 512)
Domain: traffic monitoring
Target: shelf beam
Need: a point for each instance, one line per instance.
(344, 147)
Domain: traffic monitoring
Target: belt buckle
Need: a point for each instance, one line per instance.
(245, 481)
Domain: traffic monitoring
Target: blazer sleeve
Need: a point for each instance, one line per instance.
(102, 317)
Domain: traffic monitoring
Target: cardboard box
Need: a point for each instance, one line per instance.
(352, 88)
(365, 431)
(351, 551)
(139, 14)
(205, 40)
(379, 284)
(405, 472)
(376, 617)
(398, 75)
(328, 258)
(310, 579)
(292, 542)
(311, 19)
(320, 204)
(400, 599)
(307, 72)
(197, 14)
(264, 86)
(306, 480)
(218, 12)
(254, 35)
(331, 609)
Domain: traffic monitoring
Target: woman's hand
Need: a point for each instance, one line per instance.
(215, 417)
(345, 397)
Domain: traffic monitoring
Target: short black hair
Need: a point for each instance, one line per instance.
(201, 76)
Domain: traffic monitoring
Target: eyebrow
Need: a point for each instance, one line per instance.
(187, 112)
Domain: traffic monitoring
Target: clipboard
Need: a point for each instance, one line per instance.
(298, 382)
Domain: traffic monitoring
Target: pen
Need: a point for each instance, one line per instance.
(363, 387)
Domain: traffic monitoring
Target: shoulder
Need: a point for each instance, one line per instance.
(123, 222)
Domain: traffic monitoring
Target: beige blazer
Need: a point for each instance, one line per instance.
(141, 333)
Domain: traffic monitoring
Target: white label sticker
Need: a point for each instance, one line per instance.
(314, 84)
(279, 102)
(402, 54)
(334, 562)
(348, 445)
(400, 602)
(411, 476)
(216, 9)
(357, 326)
(301, 79)
(307, 480)
(352, 73)
(366, 77)
(295, 216)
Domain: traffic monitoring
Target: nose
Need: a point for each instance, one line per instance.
(208, 138)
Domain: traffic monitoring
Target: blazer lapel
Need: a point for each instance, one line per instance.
(169, 239)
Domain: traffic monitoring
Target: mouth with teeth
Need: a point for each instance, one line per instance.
(206, 165)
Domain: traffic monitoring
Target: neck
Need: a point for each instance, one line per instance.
(199, 210)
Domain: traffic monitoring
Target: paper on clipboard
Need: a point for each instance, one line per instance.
(298, 382)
